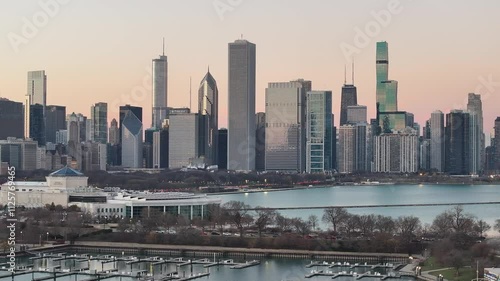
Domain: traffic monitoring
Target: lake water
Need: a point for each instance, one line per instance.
(380, 195)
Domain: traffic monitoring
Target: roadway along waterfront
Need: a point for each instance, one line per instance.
(423, 201)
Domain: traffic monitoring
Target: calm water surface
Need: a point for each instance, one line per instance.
(380, 195)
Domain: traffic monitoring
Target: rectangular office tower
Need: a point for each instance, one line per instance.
(36, 94)
(55, 120)
(11, 119)
(437, 141)
(241, 129)
(319, 132)
(457, 135)
(349, 97)
(99, 115)
(286, 130)
(396, 153)
(183, 139)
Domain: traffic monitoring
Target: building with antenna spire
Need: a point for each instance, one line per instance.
(349, 96)
(160, 89)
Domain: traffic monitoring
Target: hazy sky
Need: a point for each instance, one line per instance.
(94, 50)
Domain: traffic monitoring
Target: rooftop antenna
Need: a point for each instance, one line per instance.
(345, 75)
(353, 71)
(164, 46)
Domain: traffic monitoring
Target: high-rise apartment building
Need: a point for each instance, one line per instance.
(319, 135)
(396, 153)
(160, 90)
(36, 94)
(477, 138)
(241, 93)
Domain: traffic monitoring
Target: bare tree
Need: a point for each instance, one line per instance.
(497, 225)
(263, 218)
(366, 224)
(442, 224)
(301, 227)
(335, 216)
(461, 222)
(481, 227)
(313, 221)
(284, 224)
(237, 212)
(407, 227)
(385, 224)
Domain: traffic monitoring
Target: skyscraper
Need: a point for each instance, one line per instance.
(437, 141)
(396, 152)
(11, 119)
(347, 149)
(241, 131)
(319, 135)
(37, 124)
(356, 114)
(260, 141)
(222, 149)
(285, 119)
(496, 144)
(131, 141)
(475, 109)
(137, 111)
(208, 108)
(160, 90)
(457, 134)
(382, 64)
(183, 139)
(36, 94)
(55, 120)
(99, 115)
(114, 132)
(349, 98)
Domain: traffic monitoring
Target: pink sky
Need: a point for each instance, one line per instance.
(99, 51)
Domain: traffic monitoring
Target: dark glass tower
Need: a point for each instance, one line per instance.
(11, 119)
(457, 144)
(222, 144)
(55, 117)
(349, 98)
(37, 123)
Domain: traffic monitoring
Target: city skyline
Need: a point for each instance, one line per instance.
(323, 63)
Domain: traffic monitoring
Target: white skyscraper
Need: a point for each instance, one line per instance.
(183, 139)
(437, 141)
(160, 90)
(36, 94)
(241, 129)
(131, 141)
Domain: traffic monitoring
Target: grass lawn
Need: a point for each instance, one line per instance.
(466, 274)
(431, 264)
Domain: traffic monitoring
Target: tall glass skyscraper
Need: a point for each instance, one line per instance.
(241, 129)
(160, 90)
(55, 120)
(477, 148)
(437, 152)
(382, 62)
(36, 94)
(208, 108)
(457, 142)
(349, 97)
(319, 127)
(99, 115)
(285, 119)
(131, 141)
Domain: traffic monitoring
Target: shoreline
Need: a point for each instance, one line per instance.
(260, 190)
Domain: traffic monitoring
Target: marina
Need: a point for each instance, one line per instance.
(89, 266)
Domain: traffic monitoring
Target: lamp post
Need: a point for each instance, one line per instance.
(47, 237)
